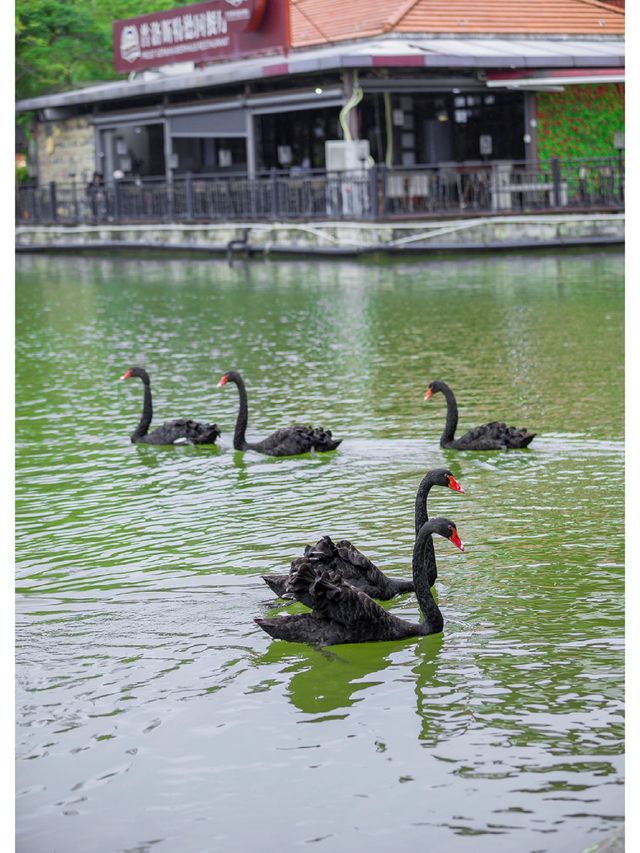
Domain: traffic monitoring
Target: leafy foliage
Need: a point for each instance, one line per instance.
(61, 44)
(581, 121)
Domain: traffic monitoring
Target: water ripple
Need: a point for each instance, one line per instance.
(142, 678)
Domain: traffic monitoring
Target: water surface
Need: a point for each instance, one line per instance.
(153, 714)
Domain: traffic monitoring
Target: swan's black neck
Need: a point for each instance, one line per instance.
(452, 416)
(147, 410)
(421, 517)
(433, 621)
(239, 440)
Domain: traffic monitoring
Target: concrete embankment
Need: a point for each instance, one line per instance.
(613, 843)
(489, 233)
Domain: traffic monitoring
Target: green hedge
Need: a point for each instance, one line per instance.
(580, 122)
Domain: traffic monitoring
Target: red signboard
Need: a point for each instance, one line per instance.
(202, 32)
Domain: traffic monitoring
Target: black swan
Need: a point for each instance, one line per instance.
(171, 432)
(288, 441)
(493, 436)
(357, 569)
(343, 614)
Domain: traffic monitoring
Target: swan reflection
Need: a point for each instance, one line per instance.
(330, 679)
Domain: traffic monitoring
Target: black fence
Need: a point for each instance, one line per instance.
(377, 193)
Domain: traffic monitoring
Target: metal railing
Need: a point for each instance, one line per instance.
(376, 194)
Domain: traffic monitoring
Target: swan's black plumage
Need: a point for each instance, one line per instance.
(343, 614)
(491, 436)
(345, 560)
(288, 441)
(357, 569)
(180, 431)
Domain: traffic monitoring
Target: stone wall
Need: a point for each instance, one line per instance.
(336, 238)
(65, 147)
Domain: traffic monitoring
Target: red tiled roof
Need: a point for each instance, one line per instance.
(322, 21)
(317, 21)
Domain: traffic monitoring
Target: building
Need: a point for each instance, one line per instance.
(456, 82)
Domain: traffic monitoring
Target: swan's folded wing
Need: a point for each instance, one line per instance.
(356, 563)
(186, 431)
(324, 553)
(201, 433)
(301, 591)
(277, 583)
(334, 599)
(293, 440)
(487, 432)
(293, 437)
(520, 436)
(498, 433)
(346, 559)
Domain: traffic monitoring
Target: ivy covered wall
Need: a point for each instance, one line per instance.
(579, 122)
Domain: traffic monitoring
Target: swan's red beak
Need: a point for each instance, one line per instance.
(223, 381)
(428, 393)
(454, 484)
(126, 375)
(456, 540)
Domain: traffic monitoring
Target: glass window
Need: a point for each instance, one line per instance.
(134, 151)
(206, 155)
(295, 140)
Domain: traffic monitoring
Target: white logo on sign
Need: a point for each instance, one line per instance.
(129, 43)
(236, 2)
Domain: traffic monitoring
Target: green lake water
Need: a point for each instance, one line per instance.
(154, 715)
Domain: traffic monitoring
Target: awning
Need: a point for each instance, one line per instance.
(552, 77)
(390, 52)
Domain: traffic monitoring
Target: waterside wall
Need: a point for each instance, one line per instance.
(334, 238)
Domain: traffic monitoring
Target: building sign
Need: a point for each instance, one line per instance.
(203, 32)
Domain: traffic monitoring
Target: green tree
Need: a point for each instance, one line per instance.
(62, 44)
